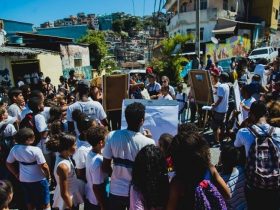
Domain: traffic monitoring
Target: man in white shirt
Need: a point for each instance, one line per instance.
(122, 146)
(153, 87)
(92, 109)
(260, 70)
(220, 107)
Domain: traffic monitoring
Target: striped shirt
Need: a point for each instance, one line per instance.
(236, 183)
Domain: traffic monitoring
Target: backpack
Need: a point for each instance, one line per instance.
(29, 122)
(263, 163)
(6, 144)
(208, 197)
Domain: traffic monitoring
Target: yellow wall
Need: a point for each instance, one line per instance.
(266, 9)
(51, 65)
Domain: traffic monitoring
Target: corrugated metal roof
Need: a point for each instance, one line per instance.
(23, 51)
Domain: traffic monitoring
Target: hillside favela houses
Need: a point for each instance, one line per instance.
(26, 53)
(238, 25)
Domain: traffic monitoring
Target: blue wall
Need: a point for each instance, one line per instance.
(74, 32)
(13, 26)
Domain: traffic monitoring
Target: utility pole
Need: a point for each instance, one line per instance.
(197, 41)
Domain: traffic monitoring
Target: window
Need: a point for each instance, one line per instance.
(225, 4)
(201, 33)
(77, 62)
(276, 14)
(203, 4)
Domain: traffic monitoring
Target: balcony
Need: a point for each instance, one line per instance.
(188, 18)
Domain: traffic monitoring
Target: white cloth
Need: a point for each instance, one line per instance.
(247, 102)
(92, 109)
(2, 37)
(244, 136)
(167, 97)
(25, 154)
(94, 175)
(76, 187)
(172, 91)
(223, 91)
(81, 153)
(9, 130)
(41, 126)
(154, 87)
(122, 146)
(27, 78)
(20, 83)
(14, 111)
(259, 69)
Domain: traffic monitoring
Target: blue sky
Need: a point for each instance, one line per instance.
(39, 11)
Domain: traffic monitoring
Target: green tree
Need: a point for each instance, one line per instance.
(97, 46)
(117, 26)
(171, 63)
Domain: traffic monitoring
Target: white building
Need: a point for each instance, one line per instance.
(184, 21)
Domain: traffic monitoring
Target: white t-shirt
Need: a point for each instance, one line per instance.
(30, 158)
(92, 109)
(247, 102)
(41, 126)
(122, 146)
(244, 136)
(182, 99)
(259, 69)
(94, 175)
(171, 91)
(154, 87)
(9, 130)
(223, 91)
(45, 113)
(14, 111)
(81, 154)
(167, 97)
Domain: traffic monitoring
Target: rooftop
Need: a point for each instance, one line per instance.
(8, 50)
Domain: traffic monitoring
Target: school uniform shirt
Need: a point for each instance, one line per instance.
(122, 146)
(259, 69)
(30, 158)
(27, 110)
(94, 175)
(167, 97)
(9, 120)
(9, 131)
(153, 88)
(244, 136)
(92, 109)
(81, 154)
(223, 91)
(182, 100)
(41, 126)
(14, 110)
(247, 102)
(171, 91)
(236, 183)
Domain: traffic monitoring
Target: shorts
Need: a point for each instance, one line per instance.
(36, 193)
(218, 120)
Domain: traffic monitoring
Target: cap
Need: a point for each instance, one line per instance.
(84, 83)
(215, 71)
(149, 70)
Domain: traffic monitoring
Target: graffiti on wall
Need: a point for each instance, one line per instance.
(234, 46)
(84, 72)
(5, 79)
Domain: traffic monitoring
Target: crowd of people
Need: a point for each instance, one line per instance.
(59, 139)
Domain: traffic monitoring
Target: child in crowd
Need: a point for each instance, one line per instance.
(6, 194)
(164, 142)
(165, 93)
(69, 191)
(234, 176)
(96, 185)
(83, 146)
(17, 100)
(33, 172)
(150, 186)
(247, 101)
(182, 100)
(191, 156)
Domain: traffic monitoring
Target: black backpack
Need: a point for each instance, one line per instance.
(6, 144)
(29, 122)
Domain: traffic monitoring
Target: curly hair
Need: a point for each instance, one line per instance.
(61, 142)
(149, 176)
(191, 157)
